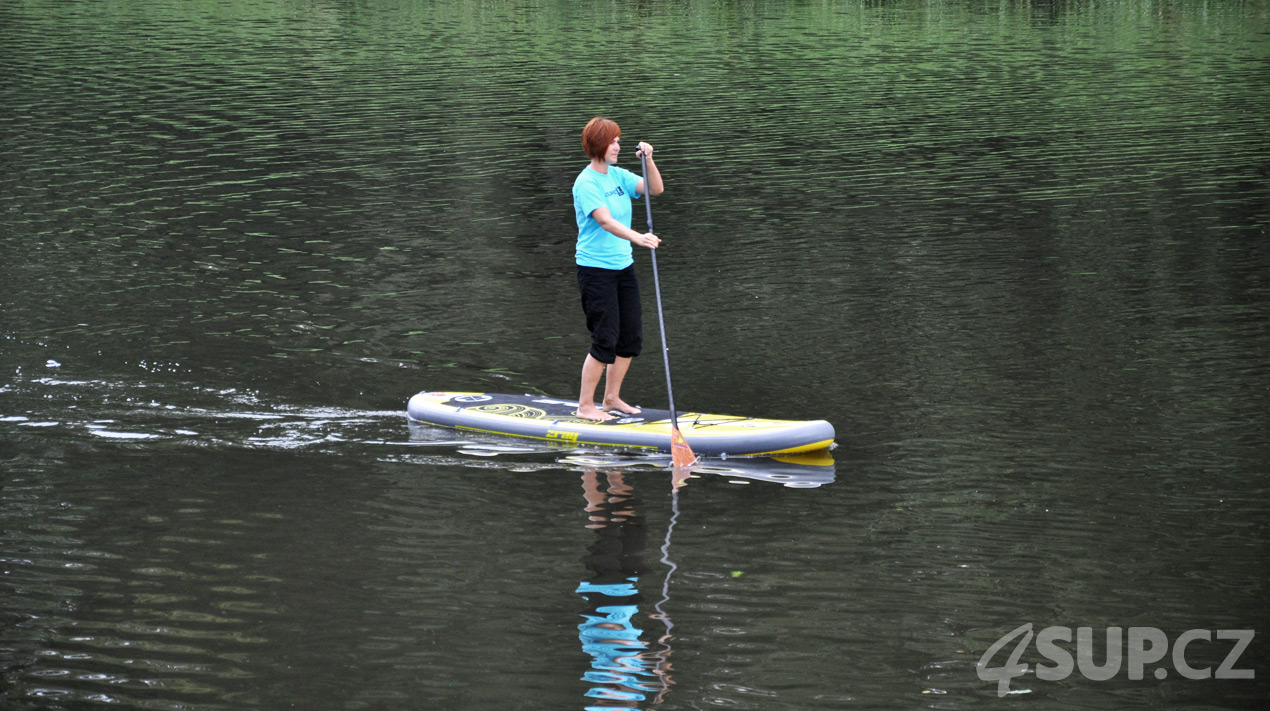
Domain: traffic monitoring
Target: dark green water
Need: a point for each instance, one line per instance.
(1015, 251)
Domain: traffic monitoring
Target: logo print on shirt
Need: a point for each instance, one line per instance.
(615, 191)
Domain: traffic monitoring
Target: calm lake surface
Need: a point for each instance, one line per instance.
(1016, 252)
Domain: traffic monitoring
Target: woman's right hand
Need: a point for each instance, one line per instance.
(648, 239)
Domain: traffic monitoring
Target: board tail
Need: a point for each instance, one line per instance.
(681, 455)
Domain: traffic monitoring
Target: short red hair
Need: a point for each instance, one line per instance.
(597, 136)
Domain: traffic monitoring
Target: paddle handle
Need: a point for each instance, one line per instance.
(661, 319)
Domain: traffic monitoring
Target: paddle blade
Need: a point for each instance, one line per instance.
(680, 453)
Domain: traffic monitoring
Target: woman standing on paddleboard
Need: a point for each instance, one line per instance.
(606, 273)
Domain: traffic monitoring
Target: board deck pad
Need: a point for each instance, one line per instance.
(555, 419)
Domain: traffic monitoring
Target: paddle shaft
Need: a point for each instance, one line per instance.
(661, 319)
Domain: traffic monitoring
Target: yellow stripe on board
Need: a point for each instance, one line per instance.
(813, 447)
(561, 438)
(558, 440)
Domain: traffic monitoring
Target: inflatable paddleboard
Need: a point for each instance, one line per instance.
(551, 419)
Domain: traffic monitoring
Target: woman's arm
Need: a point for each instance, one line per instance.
(611, 225)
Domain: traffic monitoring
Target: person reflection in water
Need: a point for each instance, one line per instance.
(624, 671)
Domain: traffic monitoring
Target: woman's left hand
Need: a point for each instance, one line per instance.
(644, 149)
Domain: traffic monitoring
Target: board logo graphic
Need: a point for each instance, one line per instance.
(472, 398)
(510, 410)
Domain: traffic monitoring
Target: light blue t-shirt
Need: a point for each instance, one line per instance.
(598, 247)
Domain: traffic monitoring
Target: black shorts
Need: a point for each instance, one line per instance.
(610, 300)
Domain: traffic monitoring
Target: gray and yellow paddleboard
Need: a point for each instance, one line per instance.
(552, 419)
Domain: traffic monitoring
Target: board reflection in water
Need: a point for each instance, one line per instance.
(797, 471)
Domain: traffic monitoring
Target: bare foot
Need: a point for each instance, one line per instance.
(617, 404)
(591, 412)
